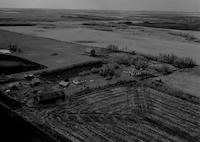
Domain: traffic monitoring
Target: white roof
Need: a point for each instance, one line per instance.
(5, 51)
(89, 49)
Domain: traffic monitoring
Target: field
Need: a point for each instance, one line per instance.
(187, 81)
(123, 28)
(99, 76)
(110, 104)
(47, 52)
(12, 64)
(130, 113)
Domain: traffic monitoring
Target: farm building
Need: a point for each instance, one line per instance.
(49, 97)
(90, 51)
(5, 51)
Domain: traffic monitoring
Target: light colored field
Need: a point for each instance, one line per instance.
(187, 81)
(145, 44)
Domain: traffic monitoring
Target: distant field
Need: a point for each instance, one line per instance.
(168, 25)
(127, 29)
(140, 43)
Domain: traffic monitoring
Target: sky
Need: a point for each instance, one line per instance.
(160, 5)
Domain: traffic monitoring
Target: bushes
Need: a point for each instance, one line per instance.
(94, 70)
(133, 53)
(184, 62)
(164, 69)
(111, 69)
(167, 58)
(107, 70)
(112, 48)
(187, 36)
(123, 59)
(84, 73)
(128, 60)
(14, 48)
(140, 64)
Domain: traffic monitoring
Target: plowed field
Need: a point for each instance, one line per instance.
(125, 114)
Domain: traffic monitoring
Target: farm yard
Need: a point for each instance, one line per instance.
(110, 99)
(102, 76)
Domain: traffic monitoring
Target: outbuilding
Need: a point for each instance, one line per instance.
(49, 97)
(90, 51)
(5, 51)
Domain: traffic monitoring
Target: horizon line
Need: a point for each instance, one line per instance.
(97, 9)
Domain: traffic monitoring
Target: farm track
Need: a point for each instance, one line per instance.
(125, 114)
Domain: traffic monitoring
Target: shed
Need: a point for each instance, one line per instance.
(78, 82)
(90, 51)
(50, 97)
(35, 82)
(64, 84)
(14, 86)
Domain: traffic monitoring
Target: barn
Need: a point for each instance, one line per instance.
(49, 97)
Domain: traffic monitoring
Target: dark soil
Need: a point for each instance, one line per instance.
(12, 64)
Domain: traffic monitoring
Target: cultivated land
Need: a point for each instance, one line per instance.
(101, 28)
(118, 94)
